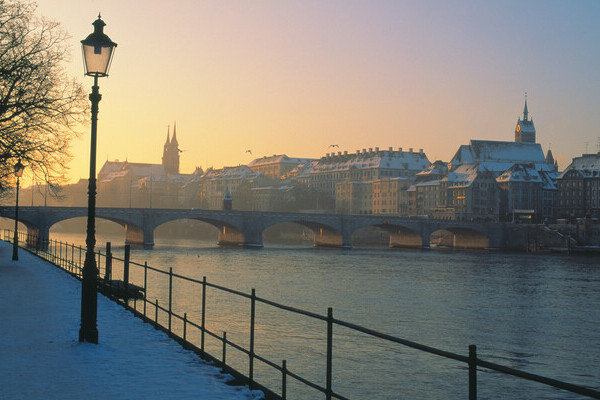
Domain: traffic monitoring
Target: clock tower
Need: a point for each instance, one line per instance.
(525, 130)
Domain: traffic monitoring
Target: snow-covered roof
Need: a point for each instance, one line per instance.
(521, 173)
(277, 159)
(588, 165)
(387, 159)
(239, 172)
(463, 175)
(497, 156)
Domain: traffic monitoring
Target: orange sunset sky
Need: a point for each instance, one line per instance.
(293, 77)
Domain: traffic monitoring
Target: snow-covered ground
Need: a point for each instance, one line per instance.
(41, 357)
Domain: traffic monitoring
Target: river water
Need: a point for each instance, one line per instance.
(538, 313)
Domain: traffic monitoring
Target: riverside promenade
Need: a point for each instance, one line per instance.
(41, 357)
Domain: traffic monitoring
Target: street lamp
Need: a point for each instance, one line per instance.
(97, 51)
(18, 173)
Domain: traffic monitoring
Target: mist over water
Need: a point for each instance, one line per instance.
(537, 313)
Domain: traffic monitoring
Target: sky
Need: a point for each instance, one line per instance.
(294, 77)
(42, 358)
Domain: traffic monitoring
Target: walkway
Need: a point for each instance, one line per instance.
(41, 358)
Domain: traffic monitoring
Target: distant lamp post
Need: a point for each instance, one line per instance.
(18, 173)
(97, 51)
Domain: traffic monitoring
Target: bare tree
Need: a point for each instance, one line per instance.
(40, 106)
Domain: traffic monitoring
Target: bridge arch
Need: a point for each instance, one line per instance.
(459, 237)
(324, 234)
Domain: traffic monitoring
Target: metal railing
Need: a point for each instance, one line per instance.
(70, 258)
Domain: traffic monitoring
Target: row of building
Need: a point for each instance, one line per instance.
(485, 180)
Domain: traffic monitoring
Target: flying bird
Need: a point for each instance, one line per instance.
(249, 151)
(333, 145)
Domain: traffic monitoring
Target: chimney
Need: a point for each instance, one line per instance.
(376, 149)
(421, 151)
(391, 148)
(400, 149)
(410, 150)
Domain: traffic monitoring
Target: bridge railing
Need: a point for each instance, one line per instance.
(160, 312)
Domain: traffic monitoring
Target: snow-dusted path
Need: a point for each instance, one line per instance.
(41, 358)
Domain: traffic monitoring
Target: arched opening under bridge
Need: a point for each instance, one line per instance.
(458, 238)
(288, 234)
(371, 236)
(186, 232)
(74, 231)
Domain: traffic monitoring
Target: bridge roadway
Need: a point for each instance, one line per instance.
(245, 228)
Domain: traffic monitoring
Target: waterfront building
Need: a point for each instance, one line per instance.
(272, 198)
(387, 195)
(471, 192)
(528, 192)
(364, 166)
(427, 198)
(579, 188)
(354, 197)
(238, 180)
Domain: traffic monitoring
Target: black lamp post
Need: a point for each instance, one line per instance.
(18, 173)
(97, 50)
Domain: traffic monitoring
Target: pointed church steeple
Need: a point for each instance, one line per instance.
(170, 158)
(174, 139)
(525, 130)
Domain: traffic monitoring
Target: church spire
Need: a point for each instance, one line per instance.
(525, 111)
(168, 135)
(174, 139)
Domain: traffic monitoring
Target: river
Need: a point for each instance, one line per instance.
(538, 313)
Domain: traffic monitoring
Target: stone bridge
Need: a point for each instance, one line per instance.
(245, 228)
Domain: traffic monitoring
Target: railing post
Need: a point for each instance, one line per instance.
(72, 257)
(156, 314)
(251, 352)
(283, 380)
(126, 267)
(472, 372)
(108, 267)
(224, 349)
(145, 285)
(185, 328)
(203, 313)
(329, 353)
(170, 296)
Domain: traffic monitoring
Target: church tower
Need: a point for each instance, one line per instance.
(525, 130)
(170, 158)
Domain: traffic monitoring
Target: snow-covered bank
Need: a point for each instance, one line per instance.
(41, 358)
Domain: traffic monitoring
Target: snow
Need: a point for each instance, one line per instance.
(41, 357)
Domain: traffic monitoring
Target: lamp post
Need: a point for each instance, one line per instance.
(97, 51)
(18, 173)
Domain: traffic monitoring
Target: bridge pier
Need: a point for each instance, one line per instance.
(229, 236)
(139, 238)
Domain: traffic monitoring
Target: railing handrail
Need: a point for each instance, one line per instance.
(472, 360)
